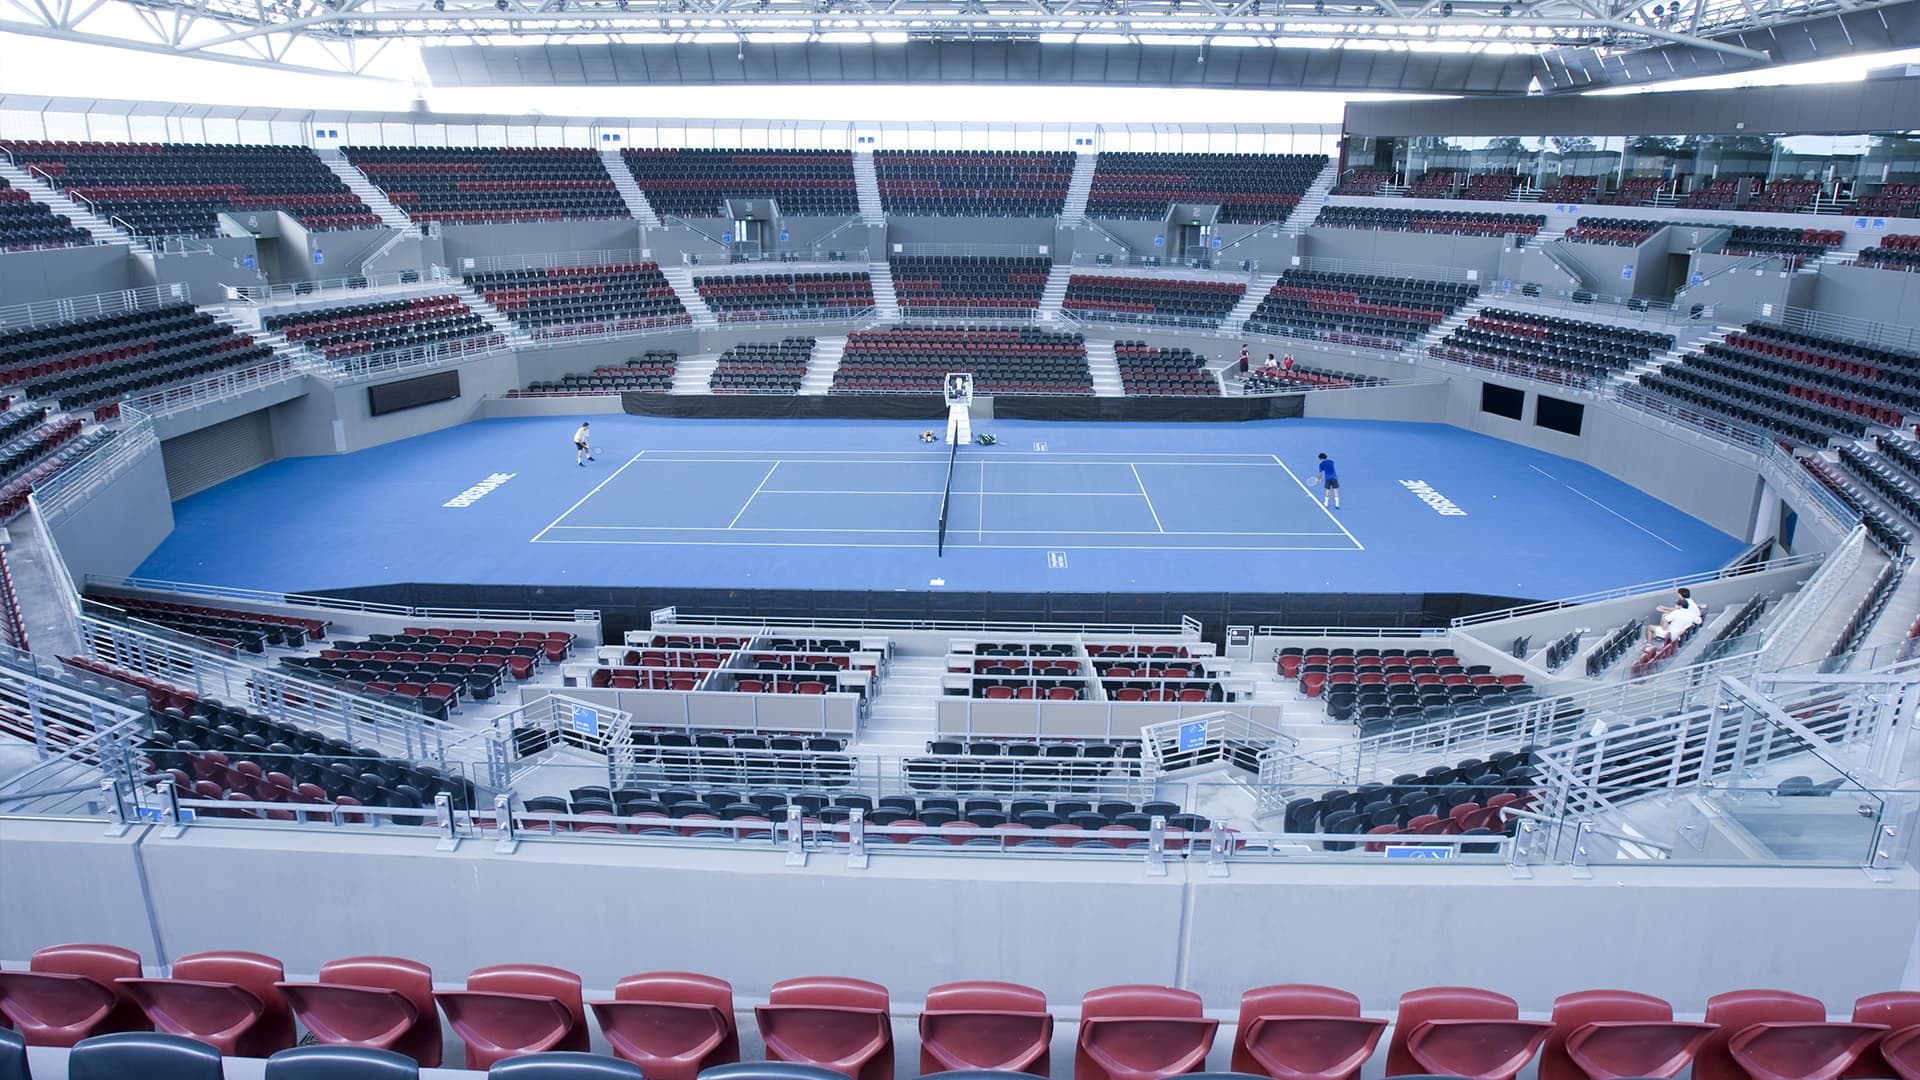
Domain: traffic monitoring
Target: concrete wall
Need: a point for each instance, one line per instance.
(1480, 253)
(910, 922)
(115, 529)
(1887, 296)
(29, 276)
(336, 420)
(535, 237)
(926, 230)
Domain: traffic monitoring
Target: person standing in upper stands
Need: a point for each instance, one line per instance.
(1675, 621)
(1330, 480)
(1243, 359)
(582, 448)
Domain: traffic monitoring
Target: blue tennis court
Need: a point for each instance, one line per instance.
(1000, 498)
(855, 504)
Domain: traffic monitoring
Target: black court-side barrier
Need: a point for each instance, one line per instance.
(934, 407)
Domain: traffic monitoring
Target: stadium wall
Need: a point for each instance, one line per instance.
(1882, 296)
(116, 526)
(1876, 105)
(30, 276)
(462, 242)
(1064, 926)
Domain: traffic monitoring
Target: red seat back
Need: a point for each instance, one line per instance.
(513, 1009)
(1570, 1011)
(672, 1024)
(71, 992)
(1896, 1009)
(1297, 1031)
(1738, 1009)
(1419, 1007)
(1801, 1051)
(1141, 1033)
(228, 1000)
(379, 1001)
(1900, 1049)
(985, 1025)
(840, 1024)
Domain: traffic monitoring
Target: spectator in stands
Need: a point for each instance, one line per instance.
(1243, 359)
(582, 448)
(1287, 365)
(1675, 621)
(1328, 478)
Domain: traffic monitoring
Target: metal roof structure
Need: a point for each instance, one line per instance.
(1431, 46)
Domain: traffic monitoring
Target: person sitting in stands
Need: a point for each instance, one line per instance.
(1675, 621)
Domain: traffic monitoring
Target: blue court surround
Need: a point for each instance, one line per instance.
(818, 504)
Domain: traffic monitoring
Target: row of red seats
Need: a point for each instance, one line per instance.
(676, 1024)
(14, 495)
(1879, 414)
(1349, 301)
(1803, 355)
(30, 372)
(13, 628)
(322, 322)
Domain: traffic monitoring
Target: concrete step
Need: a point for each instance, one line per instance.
(98, 227)
(1058, 278)
(369, 192)
(1257, 290)
(1075, 210)
(827, 352)
(629, 190)
(1316, 196)
(691, 374)
(681, 278)
(867, 183)
(886, 303)
(1104, 368)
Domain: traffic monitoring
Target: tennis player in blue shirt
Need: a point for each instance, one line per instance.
(1331, 481)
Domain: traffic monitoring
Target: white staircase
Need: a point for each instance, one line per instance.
(1257, 290)
(681, 278)
(825, 360)
(1309, 205)
(494, 316)
(692, 373)
(867, 183)
(1075, 210)
(101, 229)
(903, 712)
(1683, 343)
(886, 305)
(1055, 293)
(1448, 325)
(390, 215)
(1833, 257)
(1104, 368)
(630, 192)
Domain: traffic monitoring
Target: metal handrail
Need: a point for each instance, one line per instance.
(62, 492)
(1826, 324)
(88, 305)
(356, 283)
(617, 330)
(341, 370)
(969, 250)
(550, 259)
(790, 316)
(1643, 588)
(182, 397)
(334, 603)
(674, 617)
(1418, 271)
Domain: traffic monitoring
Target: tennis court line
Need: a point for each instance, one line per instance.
(590, 494)
(1605, 507)
(921, 532)
(756, 493)
(1037, 546)
(1135, 470)
(1358, 546)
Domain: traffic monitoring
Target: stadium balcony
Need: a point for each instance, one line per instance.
(234, 629)
(1362, 183)
(1633, 191)
(1137, 298)
(764, 367)
(650, 372)
(1784, 196)
(562, 301)
(1806, 387)
(1893, 253)
(815, 295)
(90, 363)
(1717, 195)
(951, 284)
(1152, 371)
(1371, 310)
(1250, 189)
(1434, 184)
(483, 185)
(1274, 379)
(26, 225)
(1379, 690)
(180, 189)
(697, 183)
(973, 183)
(1460, 223)
(383, 326)
(1621, 232)
(916, 360)
(1571, 189)
(1892, 200)
(1488, 187)
(1796, 247)
(1548, 348)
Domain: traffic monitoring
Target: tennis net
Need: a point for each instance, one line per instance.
(946, 497)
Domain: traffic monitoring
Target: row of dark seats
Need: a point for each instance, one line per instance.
(26, 225)
(1152, 299)
(742, 297)
(1891, 533)
(651, 373)
(1249, 188)
(383, 326)
(917, 360)
(815, 1028)
(697, 183)
(1531, 342)
(1392, 219)
(1612, 648)
(464, 185)
(1277, 379)
(1720, 400)
(954, 281)
(1735, 628)
(84, 362)
(1151, 371)
(545, 299)
(1562, 650)
(1366, 309)
(763, 367)
(20, 451)
(976, 183)
(235, 629)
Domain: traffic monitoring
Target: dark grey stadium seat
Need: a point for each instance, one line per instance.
(773, 1070)
(13, 1056)
(564, 1065)
(340, 1063)
(148, 1055)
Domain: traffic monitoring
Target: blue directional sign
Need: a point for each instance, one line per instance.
(1193, 735)
(1626, 272)
(585, 721)
(1420, 851)
(319, 257)
(1160, 241)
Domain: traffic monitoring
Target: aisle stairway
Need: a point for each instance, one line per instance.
(376, 200)
(691, 374)
(1257, 290)
(886, 304)
(681, 278)
(79, 216)
(827, 352)
(1058, 277)
(1309, 205)
(1075, 210)
(1104, 368)
(630, 192)
(867, 183)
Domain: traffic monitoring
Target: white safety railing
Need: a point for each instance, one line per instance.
(673, 618)
(184, 397)
(1421, 271)
(1808, 559)
(324, 604)
(1684, 415)
(342, 370)
(328, 287)
(94, 304)
(1789, 476)
(512, 743)
(547, 260)
(1234, 269)
(815, 254)
(1810, 604)
(791, 316)
(61, 493)
(610, 330)
(969, 250)
(1846, 328)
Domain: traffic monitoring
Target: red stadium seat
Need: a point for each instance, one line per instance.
(1900, 1049)
(1737, 1010)
(379, 1001)
(1898, 1010)
(1801, 1051)
(672, 1024)
(1297, 1032)
(1462, 1031)
(225, 999)
(1603, 1034)
(985, 1025)
(840, 1024)
(1141, 1033)
(513, 1009)
(70, 992)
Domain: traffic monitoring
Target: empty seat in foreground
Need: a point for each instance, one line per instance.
(673, 1024)
(985, 1025)
(382, 1002)
(840, 1024)
(1141, 1033)
(564, 1065)
(1462, 1031)
(148, 1055)
(69, 993)
(227, 1000)
(321, 1062)
(513, 1009)
(1606, 1033)
(1301, 1031)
